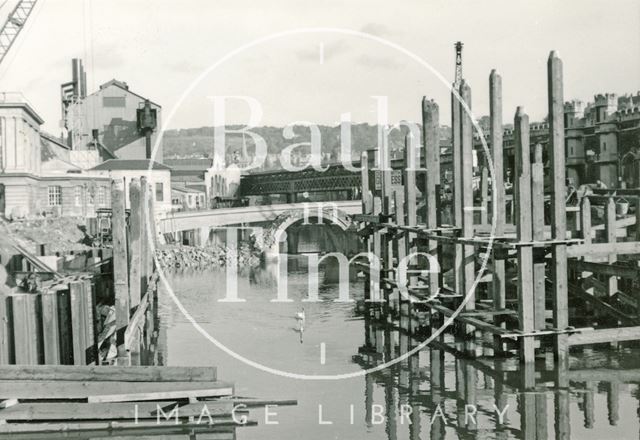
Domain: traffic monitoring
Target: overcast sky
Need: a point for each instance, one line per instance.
(159, 47)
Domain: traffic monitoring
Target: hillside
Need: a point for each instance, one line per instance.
(198, 142)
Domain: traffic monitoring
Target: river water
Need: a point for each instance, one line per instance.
(400, 402)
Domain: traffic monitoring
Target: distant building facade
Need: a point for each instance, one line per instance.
(187, 198)
(36, 173)
(158, 176)
(602, 141)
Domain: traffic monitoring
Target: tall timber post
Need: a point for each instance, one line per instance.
(498, 282)
(558, 204)
(522, 195)
(430, 118)
(466, 171)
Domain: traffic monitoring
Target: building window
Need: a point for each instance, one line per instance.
(604, 146)
(102, 196)
(159, 192)
(91, 196)
(113, 101)
(190, 199)
(77, 196)
(55, 195)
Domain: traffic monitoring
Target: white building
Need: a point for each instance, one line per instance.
(37, 175)
(158, 176)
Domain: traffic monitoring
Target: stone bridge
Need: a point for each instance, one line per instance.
(247, 215)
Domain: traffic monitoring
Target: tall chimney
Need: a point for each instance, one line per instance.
(83, 81)
(75, 76)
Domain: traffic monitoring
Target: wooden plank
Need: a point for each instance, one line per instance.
(605, 335)
(150, 225)
(605, 268)
(610, 232)
(92, 323)
(132, 333)
(537, 215)
(410, 190)
(637, 219)
(367, 197)
(484, 189)
(50, 328)
(478, 323)
(111, 391)
(135, 243)
(431, 136)
(601, 305)
(120, 259)
(527, 402)
(557, 153)
(147, 217)
(108, 373)
(37, 431)
(160, 395)
(456, 184)
(27, 329)
(78, 322)
(65, 328)
(411, 210)
(6, 331)
(32, 412)
(368, 218)
(596, 250)
(523, 220)
(376, 246)
(605, 375)
(585, 227)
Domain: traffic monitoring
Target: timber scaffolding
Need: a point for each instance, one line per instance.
(72, 395)
(556, 269)
(75, 316)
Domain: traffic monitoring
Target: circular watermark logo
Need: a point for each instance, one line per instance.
(261, 151)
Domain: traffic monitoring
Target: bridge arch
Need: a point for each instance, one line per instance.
(327, 214)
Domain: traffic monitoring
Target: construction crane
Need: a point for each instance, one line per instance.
(14, 24)
(458, 47)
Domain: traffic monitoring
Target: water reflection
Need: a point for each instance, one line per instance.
(436, 393)
(451, 396)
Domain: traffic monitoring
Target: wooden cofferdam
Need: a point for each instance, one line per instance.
(515, 260)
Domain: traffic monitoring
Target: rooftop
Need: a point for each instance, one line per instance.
(124, 86)
(17, 99)
(186, 189)
(130, 164)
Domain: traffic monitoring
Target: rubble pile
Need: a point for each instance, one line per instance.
(205, 257)
(60, 234)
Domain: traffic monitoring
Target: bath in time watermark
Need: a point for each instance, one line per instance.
(314, 145)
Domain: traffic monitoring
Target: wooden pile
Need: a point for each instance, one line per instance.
(518, 283)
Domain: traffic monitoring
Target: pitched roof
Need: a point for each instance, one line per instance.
(191, 164)
(124, 86)
(130, 164)
(186, 189)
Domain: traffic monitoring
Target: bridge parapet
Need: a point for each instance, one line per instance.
(217, 218)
